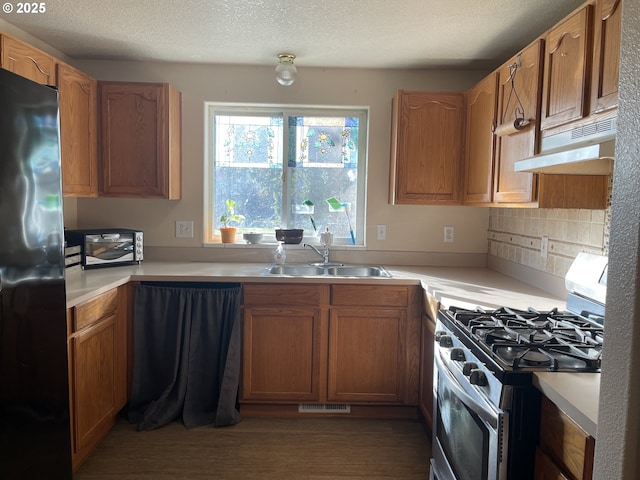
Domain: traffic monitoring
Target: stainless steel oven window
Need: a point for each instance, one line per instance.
(109, 247)
(463, 436)
(469, 433)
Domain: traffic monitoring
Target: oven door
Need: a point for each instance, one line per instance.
(467, 431)
(109, 248)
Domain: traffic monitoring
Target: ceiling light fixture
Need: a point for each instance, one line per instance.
(285, 70)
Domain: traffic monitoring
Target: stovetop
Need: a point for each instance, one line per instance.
(518, 340)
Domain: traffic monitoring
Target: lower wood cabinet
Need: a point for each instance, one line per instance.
(282, 347)
(565, 450)
(97, 369)
(427, 332)
(331, 344)
(546, 469)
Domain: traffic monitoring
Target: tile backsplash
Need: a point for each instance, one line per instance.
(515, 234)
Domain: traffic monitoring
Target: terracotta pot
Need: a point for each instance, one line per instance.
(228, 234)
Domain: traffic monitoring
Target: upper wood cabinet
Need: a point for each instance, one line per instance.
(606, 55)
(27, 61)
(140, 140)
(479, 146)
(427, 148)
(566, 70)
(78, 132)
(519, 89)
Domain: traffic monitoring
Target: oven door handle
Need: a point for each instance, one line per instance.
(482, 411)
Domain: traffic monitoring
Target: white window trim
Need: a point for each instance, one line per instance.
(210, 109)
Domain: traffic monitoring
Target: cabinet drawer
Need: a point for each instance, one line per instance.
(285, 294)
(369, 295)
(93, 310)
(565, 442)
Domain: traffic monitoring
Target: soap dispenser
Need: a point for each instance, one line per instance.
(280, 255)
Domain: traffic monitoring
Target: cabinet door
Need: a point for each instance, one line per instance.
(546, 469)
(139, 140)
(122, 348)
(566, 73)
(479, 145)
(366, 349)
(23, 59)
(93, 382)
(606, 55)
(426, 369)
(427, 154)
(78, 132)
(523, 84)
(565, 442)
(281, 356)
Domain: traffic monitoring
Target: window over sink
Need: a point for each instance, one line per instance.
(280, 165)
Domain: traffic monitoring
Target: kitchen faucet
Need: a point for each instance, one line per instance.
(324, 254)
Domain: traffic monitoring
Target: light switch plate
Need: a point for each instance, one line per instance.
(381, 232)
(544, 247)
(184, 228)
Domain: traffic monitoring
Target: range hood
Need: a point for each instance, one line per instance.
(586, 150)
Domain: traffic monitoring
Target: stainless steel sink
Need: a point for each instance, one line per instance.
(294, 270)
(358, 271)
(305, 270)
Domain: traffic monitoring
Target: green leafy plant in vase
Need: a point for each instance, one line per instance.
(227, 233)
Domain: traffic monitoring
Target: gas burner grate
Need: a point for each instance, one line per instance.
(531, 339)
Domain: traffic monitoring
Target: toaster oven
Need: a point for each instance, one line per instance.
(107, 247)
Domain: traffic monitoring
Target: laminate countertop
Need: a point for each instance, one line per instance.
(575, 393)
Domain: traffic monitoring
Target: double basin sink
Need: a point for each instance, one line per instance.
(330, 270)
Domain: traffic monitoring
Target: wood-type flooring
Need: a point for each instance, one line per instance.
(265, 449)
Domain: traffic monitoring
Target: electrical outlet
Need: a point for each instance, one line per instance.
(184, 228)
(381, 232)
(544, 246)
(449, 234)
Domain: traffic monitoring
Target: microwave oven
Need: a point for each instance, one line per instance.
(107, 247)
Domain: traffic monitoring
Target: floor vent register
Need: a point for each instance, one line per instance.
(324, 408)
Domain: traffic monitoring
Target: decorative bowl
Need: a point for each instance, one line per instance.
(289, 235)
(252, 237)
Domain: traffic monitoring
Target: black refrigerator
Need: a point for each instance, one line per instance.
(34, 386)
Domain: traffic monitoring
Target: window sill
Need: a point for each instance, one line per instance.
(272, 245)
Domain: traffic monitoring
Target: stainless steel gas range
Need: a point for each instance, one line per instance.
(486, 410)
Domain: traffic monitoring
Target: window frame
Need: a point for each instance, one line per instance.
(211, 235)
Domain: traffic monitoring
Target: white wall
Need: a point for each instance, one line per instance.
(618, 436)
(409, 228)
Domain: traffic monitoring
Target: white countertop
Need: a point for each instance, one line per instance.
(449, 285)
(575, 393)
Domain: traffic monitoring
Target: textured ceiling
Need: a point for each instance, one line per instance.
(328, 33)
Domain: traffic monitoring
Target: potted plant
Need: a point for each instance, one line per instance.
(227, 233)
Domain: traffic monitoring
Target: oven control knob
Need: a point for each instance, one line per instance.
(438, 334)
(467, 367)
(445, 341)
(478, 377)
(457, 354)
